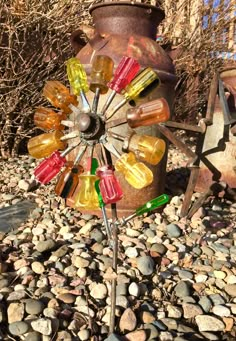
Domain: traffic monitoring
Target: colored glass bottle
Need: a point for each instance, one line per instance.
(48, 119)
(45, 144)
(136, 173)
(59, 96)
(149, 113)
(109, 185)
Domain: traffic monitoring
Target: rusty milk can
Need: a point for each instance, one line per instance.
(129, 29)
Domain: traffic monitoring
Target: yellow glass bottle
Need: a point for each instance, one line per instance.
(45, 144)
(87, 197)
(137, 174)
(59, 96)
(147, 148)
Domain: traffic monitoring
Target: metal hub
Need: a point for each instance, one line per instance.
(91, 126)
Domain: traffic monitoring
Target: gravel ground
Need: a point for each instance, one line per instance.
(176, 277)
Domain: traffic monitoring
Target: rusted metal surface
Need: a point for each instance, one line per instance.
(218, 157)
(125, 29)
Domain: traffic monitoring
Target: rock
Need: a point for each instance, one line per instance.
(131, 252)
(217, 299)
(138, 335)
(66, 298)
(113, 337)
(221, 310)
(173, 231)
(191, 310)
(145, 265)
(128, 321)
(207, 323)
(15, 312)
(4, 283)
(84, 334)
(42, 325)
(219, 274)
(122, 301)
(121, 289)
(80, 262)
(174, 312)
(229, 323)
(38, 267)
(205, 303)
(45, 245)
(209, 336)
(147, 317)
(170, 323)
(207, 251)
(62, 251)
(63, 336)
(134, 289)
(230, 289)
(182, 289)
(151, 331)
(33, 336)
(18, 328)
(99, 291)
(185, 274)
(34, 307)
(159, 248)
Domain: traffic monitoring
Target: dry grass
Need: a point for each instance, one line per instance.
(34, 43)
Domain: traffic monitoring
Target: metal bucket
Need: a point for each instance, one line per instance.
(126, 29)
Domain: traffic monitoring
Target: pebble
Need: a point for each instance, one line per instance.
(99, 291)
(18, 328)
(15, 312)
(38, 267)
(145, 265)
(230, 289)
(45, 245)
(205, 303)
(66, 298)
(221, 310)
(43, 326)
(207, 323)
(33, 336)
(34, 307)
(173, 231)
(128, 321)
(134, 289)
(174, 312)
(138, 335)
(191, 310)
(182, 289)
(131, 252)
(84, 334)
(159, 248)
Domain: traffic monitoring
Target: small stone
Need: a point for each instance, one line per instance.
(33, 336)
(132, 233)
(185, 274)
(230, 289)
(84, 334)
(62, 251)
(18, 328)
(15, 312)
(86, 228)
(38, 267)
(174, 312)
(138, 335)
(207, 251)
(134, 289)
(173, 231)
(191, 310)
(207, 323)
(166, 336)
(80, 262)
(209, 336)
(128, 320)
(33, 307)
(200, 278)
(99, 291)
(67, 298)
(229, 323)
(152, 331)
(147, 317)
(113, 337)
(221, 310)
(159, 248)
(145, 265)
(231, 279)
(219, 274)
(121, 289)
(63, 336)
(182, 289)
(97, 235)
(45, 245)
(205, 303)
(42, 325)
(122, 301)
(170, 323)
(217, 299)
(131, 252)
